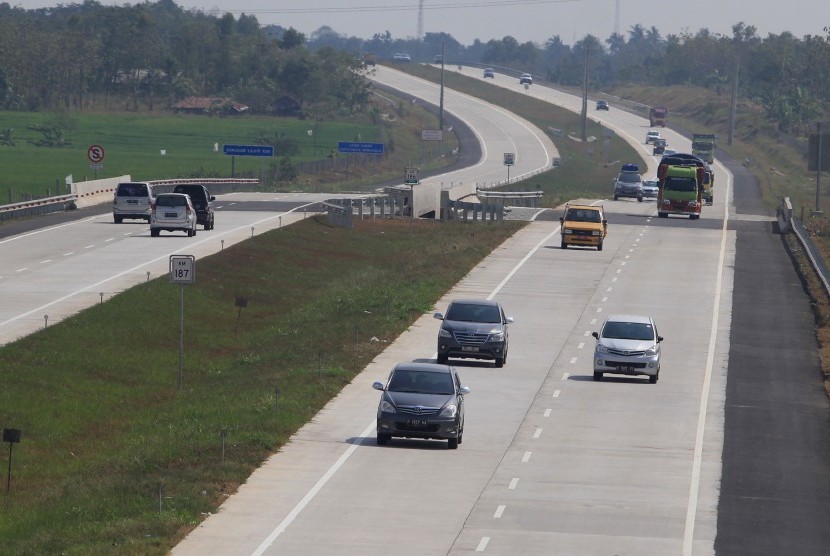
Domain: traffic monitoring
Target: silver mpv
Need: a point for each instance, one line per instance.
(627, 345)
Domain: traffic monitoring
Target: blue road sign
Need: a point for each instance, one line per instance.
(248, 150)
(356, 147)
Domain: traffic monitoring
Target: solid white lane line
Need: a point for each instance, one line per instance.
(694, 483)
(292, 515)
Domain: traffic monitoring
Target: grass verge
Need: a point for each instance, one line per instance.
(106, 431)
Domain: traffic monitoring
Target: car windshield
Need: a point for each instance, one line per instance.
(581, 215)
(170, 201)
(629, 177)
(468, 312)
(422, 382)
(628, 331)
(132, 190)
(674, 183)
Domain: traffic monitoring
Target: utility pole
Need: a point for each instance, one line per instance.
(585, 95)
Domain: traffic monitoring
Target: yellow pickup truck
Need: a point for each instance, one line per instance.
(583, 225)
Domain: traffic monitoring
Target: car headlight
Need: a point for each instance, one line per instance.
(449, 411)
(651, 352)
(386, 407)
(601, 349)
(443, 333)
(497, 335)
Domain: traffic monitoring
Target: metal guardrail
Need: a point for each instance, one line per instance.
(810, 249)
(36, 207)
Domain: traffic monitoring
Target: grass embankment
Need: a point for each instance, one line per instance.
(105, 427)
(133, 144)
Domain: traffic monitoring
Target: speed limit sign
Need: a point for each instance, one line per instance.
(95, 153)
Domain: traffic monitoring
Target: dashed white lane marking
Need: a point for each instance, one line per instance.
(599, 309)
(89, 247)
(556, 393)
(526, 457)
(69, 253)
(619, 270)
(593, 321)
(109, 239)
(604, 299)
(587, 332)
(499, 511)
(565, 376)
(573, 360)
(46, 261)
(580, 345)
(622, 263)
(628, 256)
(614, 279)
(513, 482)
(609, 290)
(547, 412)
(482, 544)
(538, 432)
(25, 268)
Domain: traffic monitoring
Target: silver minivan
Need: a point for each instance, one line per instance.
(132, 200)
(173, 212)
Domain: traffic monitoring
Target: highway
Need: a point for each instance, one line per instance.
(552, 462)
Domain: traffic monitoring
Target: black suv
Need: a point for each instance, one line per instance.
(474, 329)
(202, 202)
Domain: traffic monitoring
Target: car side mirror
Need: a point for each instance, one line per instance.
(212, 198)
(605, 222)
(508, 320)
(377, 385)
(439, 316)
(595, 335)
(659, 339)
(464, 390)
(561, 219)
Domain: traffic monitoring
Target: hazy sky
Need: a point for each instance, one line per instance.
(525, 20)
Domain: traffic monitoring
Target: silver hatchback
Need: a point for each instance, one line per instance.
(173, 212)
(627, 345)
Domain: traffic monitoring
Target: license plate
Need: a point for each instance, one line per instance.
(171, 214)
(627, 368)
(469, 348)
(418, 422)
(132, 202)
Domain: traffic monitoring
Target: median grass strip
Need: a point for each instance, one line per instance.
(117, 459)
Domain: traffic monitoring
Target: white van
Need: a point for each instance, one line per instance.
(132, 200)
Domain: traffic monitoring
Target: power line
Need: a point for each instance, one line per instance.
(403, 8)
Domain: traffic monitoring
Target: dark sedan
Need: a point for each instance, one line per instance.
(421, 400)
(473, 328)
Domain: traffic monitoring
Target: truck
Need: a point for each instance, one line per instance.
(583, 225)
(681, 183)
(658, 115)
(703, 146)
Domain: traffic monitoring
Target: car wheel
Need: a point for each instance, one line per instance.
(452, 443)
(597, 376)
(383, 438)
(117, 219)
(564, 245)
(615, 197)
(154, 232)
(499, 362)
(599, 246)
(653, 379)
(639, 199)
(441, 359)
(211, 222)
(663, 214)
